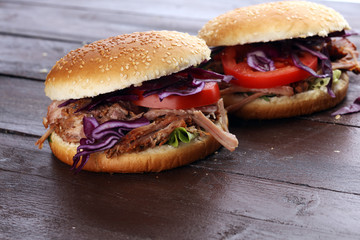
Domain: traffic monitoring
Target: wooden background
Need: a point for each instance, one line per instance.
(294, 178)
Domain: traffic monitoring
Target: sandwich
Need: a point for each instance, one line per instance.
(135, 103)
(288, 58)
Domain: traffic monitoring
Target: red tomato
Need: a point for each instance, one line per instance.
(209, 95)
(285, 72)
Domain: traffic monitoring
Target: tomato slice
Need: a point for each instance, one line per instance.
(209, 95)
(285, 72)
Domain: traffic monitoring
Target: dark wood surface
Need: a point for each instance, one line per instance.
(293, 178)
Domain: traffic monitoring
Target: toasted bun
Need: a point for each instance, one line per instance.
(151, 160)
(271, 22)
(119, 62)
(299, 104)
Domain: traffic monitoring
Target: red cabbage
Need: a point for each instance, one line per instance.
(313, 52)
(297, 62)
(197, 87)
(352, 108)
(184, 83)
(103, 136)
(343, 33)
(322, 55)
(326, 67)
(206, 75)
(259, 61)
(111, 97)
(67, 103)
(120, 95)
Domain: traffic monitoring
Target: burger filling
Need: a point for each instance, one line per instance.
(284, 68)
(122, 122)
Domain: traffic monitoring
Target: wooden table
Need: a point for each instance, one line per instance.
(294, 178)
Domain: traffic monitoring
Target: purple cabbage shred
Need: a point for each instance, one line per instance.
(103, 136)
(352, 108)
(259, 61)
(184, 83)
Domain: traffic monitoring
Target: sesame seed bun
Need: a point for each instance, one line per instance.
(118, 62)
(299, 104)
(271, 22)
(151, 160)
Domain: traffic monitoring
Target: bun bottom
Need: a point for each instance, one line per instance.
(282, 107)
(151, 160)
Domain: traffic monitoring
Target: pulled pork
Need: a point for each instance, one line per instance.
(344, 55)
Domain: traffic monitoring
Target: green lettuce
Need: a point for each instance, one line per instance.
(319, 82)
(180, 134)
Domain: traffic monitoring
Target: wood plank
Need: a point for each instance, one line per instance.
(43, 198)
(319, 155)
(71, 21)
(183, 8)
(30, 57)
(83, 25)
(23, 104)
(178, 9)
(289, 179)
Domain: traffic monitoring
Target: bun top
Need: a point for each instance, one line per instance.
(118, 62)
(271, 22)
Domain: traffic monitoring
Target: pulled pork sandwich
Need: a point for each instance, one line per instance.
(288, 58)
(135, 103)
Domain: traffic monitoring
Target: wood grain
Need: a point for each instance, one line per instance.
(294, 178)
(83, 25)
(23, 104)
(42, 194)
(31, 57)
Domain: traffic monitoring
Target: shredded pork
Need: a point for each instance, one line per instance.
(345, 55)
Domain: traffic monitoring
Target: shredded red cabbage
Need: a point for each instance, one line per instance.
(352, 108)
(184, 83)
(103, 136)
(206, 75)
(343, 33)
(259, 61)
(325, 64)
(326, 67)
(313, 52)
(297, 62)
(322, 55)
(111, 97)
(67, 102)
(260, 58)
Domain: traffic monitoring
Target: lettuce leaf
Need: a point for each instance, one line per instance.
(319, 82)
(180, 134)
